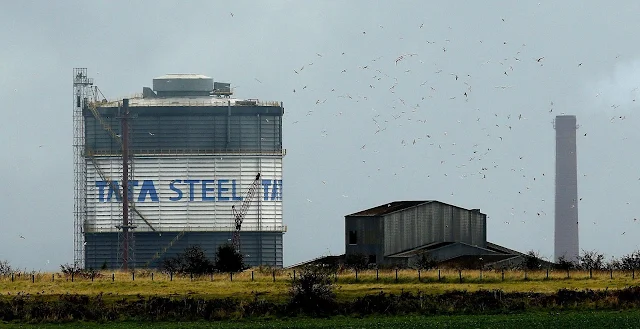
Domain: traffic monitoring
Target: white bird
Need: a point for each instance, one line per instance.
(21, 237)
(309, 200)
(152, 134)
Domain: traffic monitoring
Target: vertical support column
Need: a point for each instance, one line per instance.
(125, 184)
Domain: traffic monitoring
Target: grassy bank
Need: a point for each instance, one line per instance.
(585, 319)
(245, 285)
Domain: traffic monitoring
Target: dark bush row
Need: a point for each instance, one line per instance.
(84, 308)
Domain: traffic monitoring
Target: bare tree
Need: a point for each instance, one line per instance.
(5, 268)
(591, 260)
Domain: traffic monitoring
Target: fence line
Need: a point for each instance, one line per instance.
(346, 277)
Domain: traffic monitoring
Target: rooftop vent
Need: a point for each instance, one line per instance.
(176, 85)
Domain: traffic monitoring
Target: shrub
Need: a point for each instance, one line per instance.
(312, 291)
(192, 261)
(228, 259)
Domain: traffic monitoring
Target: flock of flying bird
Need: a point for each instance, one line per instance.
(400, 107)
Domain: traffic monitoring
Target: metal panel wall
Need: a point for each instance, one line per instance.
(369, 232)
(166, 131)
(432, 222)
(258, 248)
(187, 193)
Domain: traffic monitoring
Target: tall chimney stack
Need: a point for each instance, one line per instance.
(566, 207)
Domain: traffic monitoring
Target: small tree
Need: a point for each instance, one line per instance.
(228, 259)
(630, 262)
(564, 264)
(591, 260)
(5, 268)
(532, 260)
(196, 261)
(312, 291)
(192, 261)
(425, 262)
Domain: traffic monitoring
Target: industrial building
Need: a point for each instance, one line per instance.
(399, 233)
(566, 243)
(181, 164)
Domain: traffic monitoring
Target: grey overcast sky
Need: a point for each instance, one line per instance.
(394, 100)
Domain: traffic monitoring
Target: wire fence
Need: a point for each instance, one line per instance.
(343, 276)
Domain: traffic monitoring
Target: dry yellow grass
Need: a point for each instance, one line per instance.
(123, 285)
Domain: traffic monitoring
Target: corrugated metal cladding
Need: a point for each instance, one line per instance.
(182, 128)
(369, 233)
(258, 248)
(191, 193)
(432, 222)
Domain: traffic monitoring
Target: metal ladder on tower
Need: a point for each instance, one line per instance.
(105, 126)
(112, 185)
(164, 250)
(94, 111)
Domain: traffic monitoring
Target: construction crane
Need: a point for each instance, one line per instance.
(239, 214)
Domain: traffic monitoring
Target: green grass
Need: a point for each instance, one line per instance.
(347, 287)
(585, 319)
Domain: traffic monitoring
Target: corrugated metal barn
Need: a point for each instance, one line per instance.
(194, 153)
(399, 232)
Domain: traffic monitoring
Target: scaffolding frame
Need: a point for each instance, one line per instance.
(83, 91)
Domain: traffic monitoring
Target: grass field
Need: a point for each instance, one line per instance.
(583, 320)
(347, 287)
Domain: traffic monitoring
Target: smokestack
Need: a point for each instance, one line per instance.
(566, 209)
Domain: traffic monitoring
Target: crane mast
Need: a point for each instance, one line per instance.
(244, 207)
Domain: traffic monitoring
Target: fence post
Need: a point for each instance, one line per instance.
(92, 276)
(251, 275)
(151, 276)
(356, 275)
(460, 275)
(633, 273)
(274, 275)
(133, 276)
(113, 277)
(438, 274)
(547, 273)
(11, 277)
(502, 274)
(377, 274)
(294, 275)
(33, 278)
(231, 276)
(419, 276)
(610, 273)
(53, 277)
(396, 275)
(170, 276)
